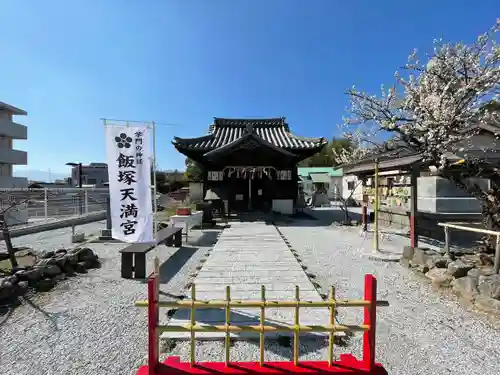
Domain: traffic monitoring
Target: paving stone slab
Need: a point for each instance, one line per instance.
(246, 256)
(305, 285)
(255, 274)
(279, 261)
(268, 266)
(202, 279)
(282, 295)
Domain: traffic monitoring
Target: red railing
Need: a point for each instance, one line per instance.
(347, 363)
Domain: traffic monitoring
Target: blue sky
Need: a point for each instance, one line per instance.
(69, 63)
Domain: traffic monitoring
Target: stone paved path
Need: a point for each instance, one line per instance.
(248, 255)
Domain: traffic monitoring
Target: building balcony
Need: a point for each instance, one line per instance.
(14, 157)
(12, 129)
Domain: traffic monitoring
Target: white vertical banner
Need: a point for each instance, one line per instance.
(129, 168)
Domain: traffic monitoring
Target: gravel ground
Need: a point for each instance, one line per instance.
(423, 331)
(88, 324)
(55, 239)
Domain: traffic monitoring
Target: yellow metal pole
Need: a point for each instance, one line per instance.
(377, 206)
(186, 304)
(228, 319)
(296, 332)
(331, 338)
(192, 357)
(274, 328)
(262, 322)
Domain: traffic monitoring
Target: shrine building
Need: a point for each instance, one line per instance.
(250, 164)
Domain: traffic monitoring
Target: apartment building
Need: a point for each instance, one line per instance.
(10, 131)
(95, 174)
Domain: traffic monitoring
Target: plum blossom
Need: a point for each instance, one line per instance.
(434, 109)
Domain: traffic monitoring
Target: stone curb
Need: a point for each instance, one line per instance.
(383, 257)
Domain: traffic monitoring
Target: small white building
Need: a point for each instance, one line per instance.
(352, 188)
(325, 179)
(95, 174)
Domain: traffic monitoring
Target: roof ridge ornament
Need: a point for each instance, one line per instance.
(249, 127)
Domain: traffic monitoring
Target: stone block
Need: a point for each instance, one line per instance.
(487, 304)
(105, 235)
(408, 252)
(466, 287)
(439, 276)
(459, 268)
(489, 286)
(423, 257)
(442, 262)
(78, 237)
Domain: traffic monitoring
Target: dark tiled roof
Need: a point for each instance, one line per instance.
(279, 121)
(225, 131)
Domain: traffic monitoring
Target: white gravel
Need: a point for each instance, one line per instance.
(423, 331)
(88, 324)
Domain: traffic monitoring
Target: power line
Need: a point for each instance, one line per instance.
(140, 122)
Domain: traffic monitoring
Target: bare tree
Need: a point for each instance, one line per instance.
(13, 199)
(11, 203)
(435, 109)
(358, 149)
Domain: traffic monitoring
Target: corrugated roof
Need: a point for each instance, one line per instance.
(394, 163)
(225, 131)
(320, 177)
(333, 172)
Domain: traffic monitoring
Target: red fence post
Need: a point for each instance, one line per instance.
(370, 318)
(153, 355)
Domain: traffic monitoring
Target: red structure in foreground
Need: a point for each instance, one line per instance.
(348, 364)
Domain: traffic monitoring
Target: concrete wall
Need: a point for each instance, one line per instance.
(358, 189)
(438, 195)
(283, 206)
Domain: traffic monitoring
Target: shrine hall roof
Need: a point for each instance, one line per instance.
(224, 132)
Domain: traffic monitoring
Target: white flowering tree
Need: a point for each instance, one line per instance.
(434, 108)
